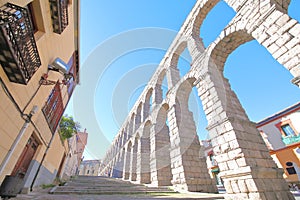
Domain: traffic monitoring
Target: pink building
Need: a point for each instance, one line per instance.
(81, 138)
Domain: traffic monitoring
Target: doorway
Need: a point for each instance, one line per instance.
(25, 158)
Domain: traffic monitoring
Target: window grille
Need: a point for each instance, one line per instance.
(59, 15)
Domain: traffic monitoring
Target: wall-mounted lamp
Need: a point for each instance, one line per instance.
(60, 66)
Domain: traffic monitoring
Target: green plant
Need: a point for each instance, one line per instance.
(67, 127)
(45, 186)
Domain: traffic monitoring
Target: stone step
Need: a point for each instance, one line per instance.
(110, 189)
(106, 186)
(108, 192)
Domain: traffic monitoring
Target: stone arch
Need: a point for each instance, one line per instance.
(176, 54)
(185, 145)
(138, 116)
(143, 154)
(230, 129)
(282, 42)
(133, 160)
(148, 103)
(205, 7)
(160, 90)
(224, 46)
(160, 164)
(119, 142)
(160, 77)
(127, 158)
(173, 73)
(131, 126)
(121, 160)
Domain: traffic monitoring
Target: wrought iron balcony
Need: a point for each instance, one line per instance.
(59, 15)
(19, 55)
(287, 140)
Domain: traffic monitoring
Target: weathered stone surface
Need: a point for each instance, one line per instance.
(244, 161)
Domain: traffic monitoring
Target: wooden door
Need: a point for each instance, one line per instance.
(25, 158)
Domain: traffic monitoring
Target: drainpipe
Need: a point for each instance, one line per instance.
(17, 140)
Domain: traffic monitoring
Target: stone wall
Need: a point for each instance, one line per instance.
(173, 157)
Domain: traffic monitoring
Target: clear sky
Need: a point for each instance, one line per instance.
(123, 42)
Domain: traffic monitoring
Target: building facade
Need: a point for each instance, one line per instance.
(90, 168)
(71, 164)
(81, 142)
(207, 152)
(39, 58)
(281, 133)
(76, 146)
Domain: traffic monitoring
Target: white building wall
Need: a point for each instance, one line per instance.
(273, 133)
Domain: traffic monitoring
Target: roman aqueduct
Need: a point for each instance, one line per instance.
(149, 150)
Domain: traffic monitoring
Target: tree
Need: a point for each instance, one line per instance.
(68, 127)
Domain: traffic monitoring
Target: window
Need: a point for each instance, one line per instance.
(290, 168)
(32, 17)
(53, 108)
(59, 15)
(287, 129)
(36, 18)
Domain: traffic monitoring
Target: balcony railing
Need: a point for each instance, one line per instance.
(287, 140)
(19, 56)
(59, 15)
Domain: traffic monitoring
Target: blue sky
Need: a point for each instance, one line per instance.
(123, 42)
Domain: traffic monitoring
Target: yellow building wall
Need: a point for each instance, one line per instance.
(50, 46)
(288, 155)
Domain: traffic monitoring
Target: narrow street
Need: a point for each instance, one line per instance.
(90, 188)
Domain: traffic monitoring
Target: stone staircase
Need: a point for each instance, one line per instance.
(84, 185)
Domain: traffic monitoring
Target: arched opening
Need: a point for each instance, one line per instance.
(117, 170)
(127, 160)
(196, 107)
(180, 63)
(138, 117)
(252, 67)
(265, 86)
(120, 140)
(162, 83)
(184, 62)
(143, 155)
(120, 166)
(160, 162)
(131, 127)
(125, 135)
(211, 22)
(133, 161)
(187, 148)
(148, 104)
